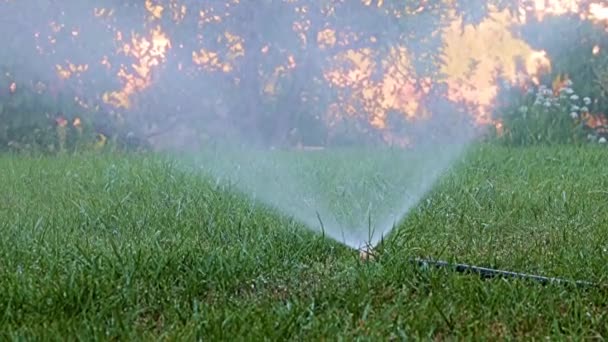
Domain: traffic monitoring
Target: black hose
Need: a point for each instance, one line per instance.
(487, 273)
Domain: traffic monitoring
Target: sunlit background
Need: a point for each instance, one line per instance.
(191, 69)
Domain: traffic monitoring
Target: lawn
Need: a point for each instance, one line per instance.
(138, 247)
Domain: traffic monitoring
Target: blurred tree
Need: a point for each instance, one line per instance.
(257, 69)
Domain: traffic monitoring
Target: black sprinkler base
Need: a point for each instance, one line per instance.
(487, 273)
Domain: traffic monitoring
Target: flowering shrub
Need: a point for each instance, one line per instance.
(562, 109)
(554, 114)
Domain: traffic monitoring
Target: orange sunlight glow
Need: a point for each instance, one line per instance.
(542, 8)
(326, 38)
(596, 50)
(399, 89)
(70, 69)
(271, 81)
(148, 53)
(598, 12)
(213, 61)
(560, 82)
(154, 11)
(474, 58)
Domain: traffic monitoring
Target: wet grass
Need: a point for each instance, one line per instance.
(135, 247)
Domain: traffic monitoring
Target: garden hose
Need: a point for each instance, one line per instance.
(487, 273)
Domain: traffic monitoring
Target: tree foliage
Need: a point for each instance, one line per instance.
(270, 71)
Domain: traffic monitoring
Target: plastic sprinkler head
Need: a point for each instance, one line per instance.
(367, 253)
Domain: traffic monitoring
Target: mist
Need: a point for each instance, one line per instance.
(342, 115)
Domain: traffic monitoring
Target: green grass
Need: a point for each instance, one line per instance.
(134, 247)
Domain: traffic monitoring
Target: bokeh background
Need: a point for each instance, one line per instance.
(177, 75)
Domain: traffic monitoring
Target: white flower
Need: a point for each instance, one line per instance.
(575, 108)
(584, 109)
(587, 101)
(547, 104)
(569, 91)
(574, 97)
(568, 83)
(602, 140)
(574, 115)
(591, 137)
(523, 109)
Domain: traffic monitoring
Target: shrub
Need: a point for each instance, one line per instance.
(543, 116)
(570, 105)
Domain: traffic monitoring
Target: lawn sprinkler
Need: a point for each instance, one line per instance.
(367, 253)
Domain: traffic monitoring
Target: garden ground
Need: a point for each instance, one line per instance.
(135, 247)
